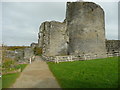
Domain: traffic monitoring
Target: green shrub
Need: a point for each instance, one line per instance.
(37, 51)
(8, 63)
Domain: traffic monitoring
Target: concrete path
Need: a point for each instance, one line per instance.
(36, 75)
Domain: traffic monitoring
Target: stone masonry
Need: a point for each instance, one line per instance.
(85, 24)
(113, 47)
(53, 40)
(81, 35)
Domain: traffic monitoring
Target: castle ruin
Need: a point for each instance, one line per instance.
(81, 36)
(81, 33)
(85, 24)
(52, 38)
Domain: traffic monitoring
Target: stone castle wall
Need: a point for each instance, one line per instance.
(113, 46)
(53, 41)
(81, 35)
(85, 23)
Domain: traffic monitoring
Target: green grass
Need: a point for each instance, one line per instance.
(9, 79)
(22, 66)
(99, 73)
(0, 83)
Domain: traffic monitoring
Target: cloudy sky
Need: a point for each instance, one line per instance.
(21, 20)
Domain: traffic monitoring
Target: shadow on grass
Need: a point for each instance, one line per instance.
(86, 84)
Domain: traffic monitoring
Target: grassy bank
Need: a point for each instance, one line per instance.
(99, 73)
(0, 83)
(9, 79)
(22, 66)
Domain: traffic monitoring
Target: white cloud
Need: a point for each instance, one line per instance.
(21, 20)
(111, 19)
(56, 0)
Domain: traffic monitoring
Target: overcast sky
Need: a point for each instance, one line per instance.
(21, 20)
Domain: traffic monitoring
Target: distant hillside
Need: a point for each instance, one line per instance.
(15, 47)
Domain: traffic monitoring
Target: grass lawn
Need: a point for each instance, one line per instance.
(9, 79)
(22, 66)
(0, 83)
(99, 73)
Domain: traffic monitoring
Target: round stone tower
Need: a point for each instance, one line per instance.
(86, 27)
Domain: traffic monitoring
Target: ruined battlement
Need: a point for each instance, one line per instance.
(81, 33)
(85, 24)
(52, 38)
(113, 46)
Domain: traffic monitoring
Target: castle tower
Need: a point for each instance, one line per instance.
(86, 27)
(52, 38)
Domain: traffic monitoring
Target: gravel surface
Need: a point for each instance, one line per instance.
(36, 75)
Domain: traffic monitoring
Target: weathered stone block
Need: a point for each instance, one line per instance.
(85, 24)
(28, 53)
(53, 38)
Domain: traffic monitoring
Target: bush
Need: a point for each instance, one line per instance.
(8, 65)
(37, 51)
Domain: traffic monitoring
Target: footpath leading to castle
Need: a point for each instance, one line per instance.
(36, 75)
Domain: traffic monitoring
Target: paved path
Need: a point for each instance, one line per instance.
(36, 75)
